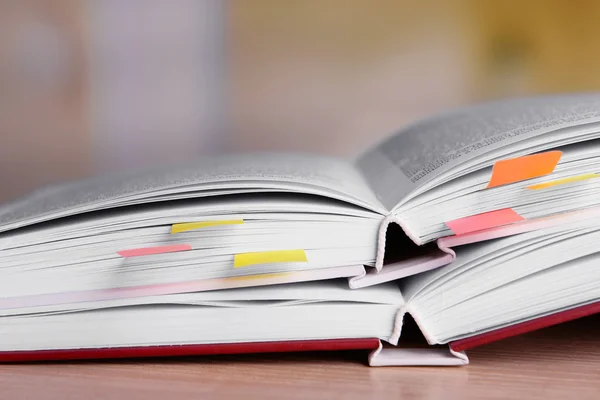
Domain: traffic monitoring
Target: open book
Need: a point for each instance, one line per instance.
(493, 290)
(140, 247)
(480, 172)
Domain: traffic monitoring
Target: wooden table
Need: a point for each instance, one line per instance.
(561, 362)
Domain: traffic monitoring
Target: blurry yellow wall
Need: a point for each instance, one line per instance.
(534, 46)
(334, 76)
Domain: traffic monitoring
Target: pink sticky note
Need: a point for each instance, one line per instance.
(154, 250)
(485, 220)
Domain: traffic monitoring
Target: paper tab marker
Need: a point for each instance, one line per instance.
(523, 168)
(154, 250)
(485, 220)
(570, 179)
(269, 257)
(189, 226)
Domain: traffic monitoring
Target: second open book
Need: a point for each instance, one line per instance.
(478, 173)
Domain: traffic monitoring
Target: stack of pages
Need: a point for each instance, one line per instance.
(481, 224)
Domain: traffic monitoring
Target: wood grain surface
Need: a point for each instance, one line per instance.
(562, 362)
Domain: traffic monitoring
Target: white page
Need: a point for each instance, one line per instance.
(253, 207)
(320, 175)
(470, 255)
(556, 288)
(425, 214)
(424, 151)
(169, 325)
(505, 281)
(317, 291)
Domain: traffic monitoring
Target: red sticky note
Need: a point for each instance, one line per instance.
(523, 168)
(146, 251)
(485, 220)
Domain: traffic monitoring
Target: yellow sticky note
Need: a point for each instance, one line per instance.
(563, 181)
(178, 228)
(269, 257)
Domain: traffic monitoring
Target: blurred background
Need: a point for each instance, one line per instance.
(92, 86)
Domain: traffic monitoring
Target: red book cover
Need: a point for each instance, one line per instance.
(190, 350)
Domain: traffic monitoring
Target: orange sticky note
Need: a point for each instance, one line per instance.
(146, 251)
(563, 181)
(523, 168)
(485, 220)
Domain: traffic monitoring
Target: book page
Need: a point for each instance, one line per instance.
(331, 290)
(296, 173)
(502, 282)
(424, 151)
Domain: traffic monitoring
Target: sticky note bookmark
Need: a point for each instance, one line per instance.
(146, 251)
(485, 220)
(563, 181)
(269, 257)
(523, 168)
(189, 226)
